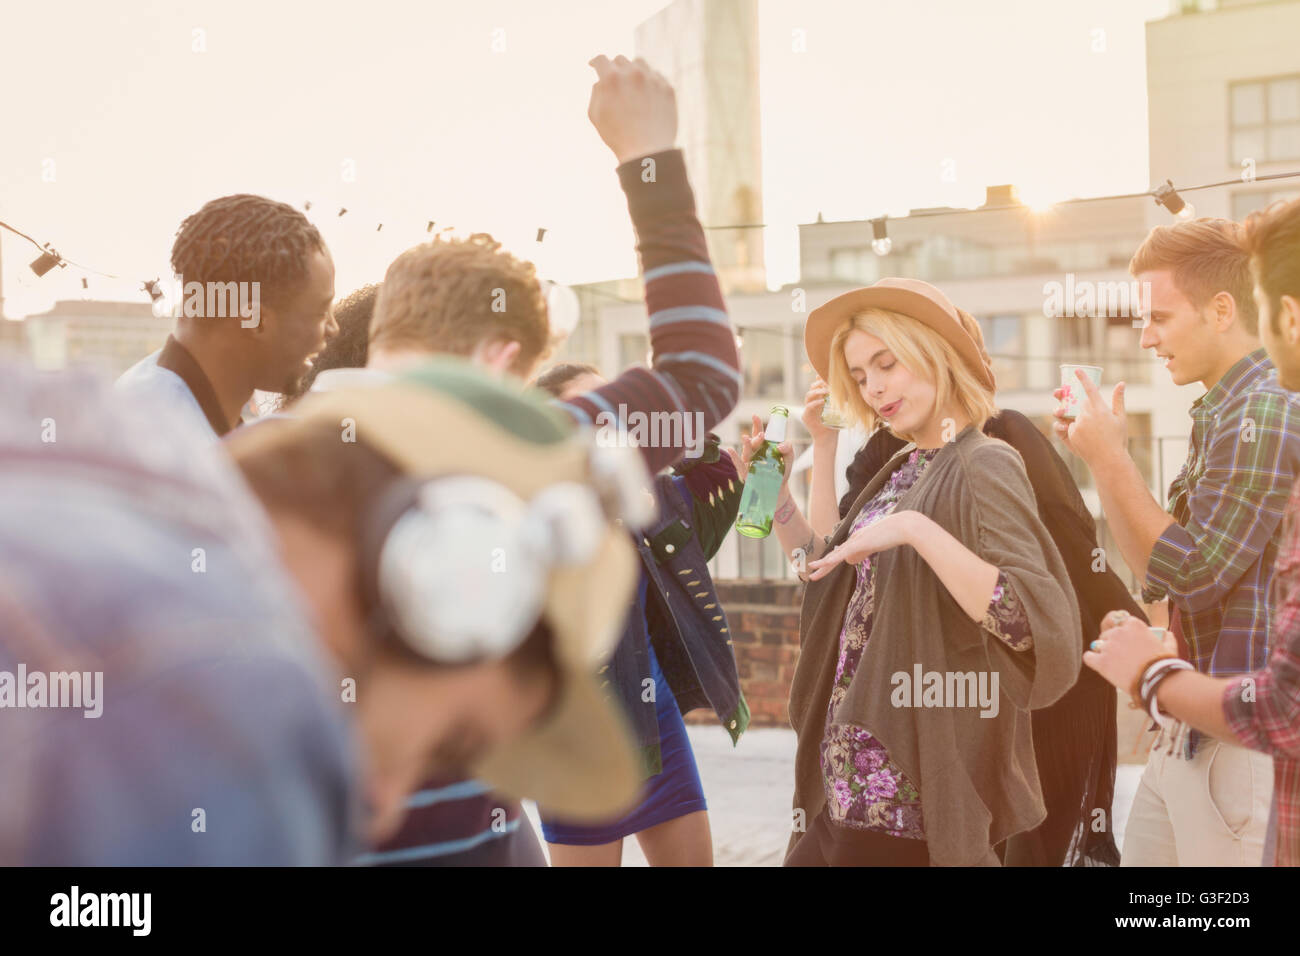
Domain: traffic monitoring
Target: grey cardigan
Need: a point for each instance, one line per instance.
(976, 775)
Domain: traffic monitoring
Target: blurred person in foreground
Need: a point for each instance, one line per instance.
(272, 673)
(471, 298)
(676, 649)
(1075, 738)
(1260, 710)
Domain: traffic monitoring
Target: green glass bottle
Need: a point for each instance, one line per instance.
(763, 481)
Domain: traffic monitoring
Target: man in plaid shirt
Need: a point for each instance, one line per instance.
(1261, 709)
(1202, 801)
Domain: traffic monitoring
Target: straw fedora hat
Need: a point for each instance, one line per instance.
(910, 297)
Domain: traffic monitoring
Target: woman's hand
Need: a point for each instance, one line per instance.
(813, 403)
(1124, 648)
(889, 532)
(749, 447)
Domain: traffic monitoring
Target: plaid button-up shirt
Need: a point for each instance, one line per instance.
(1263, 708)
(1215, 562)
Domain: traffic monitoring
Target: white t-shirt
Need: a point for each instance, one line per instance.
(161, 388)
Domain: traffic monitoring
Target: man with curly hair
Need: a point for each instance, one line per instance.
(212, 362)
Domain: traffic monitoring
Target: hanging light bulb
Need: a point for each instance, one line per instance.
(881, 243)
(160, 305)
(562, 307)
(1168, 197)
(45, 262)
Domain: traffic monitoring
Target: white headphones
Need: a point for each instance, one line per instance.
(459, 565)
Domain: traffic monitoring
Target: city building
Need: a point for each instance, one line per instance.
(1223, 100)
(107, 336)
(1223, 104)
(708, 50)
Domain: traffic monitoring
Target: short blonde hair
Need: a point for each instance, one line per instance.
(1206, 257)
(924, 352)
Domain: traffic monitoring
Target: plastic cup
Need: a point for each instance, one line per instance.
(1074, 392)
(831, 416)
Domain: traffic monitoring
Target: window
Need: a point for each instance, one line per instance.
(1244, 203)
(633, 349)
(1264, 120)
(1004, 339)
(855, 265)
(1074, 338)
(762, 359)
(1124, 355)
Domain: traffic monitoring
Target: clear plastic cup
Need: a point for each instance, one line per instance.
(1074, 392)
(831, 415)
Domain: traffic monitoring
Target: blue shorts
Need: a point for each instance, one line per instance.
(671, 793)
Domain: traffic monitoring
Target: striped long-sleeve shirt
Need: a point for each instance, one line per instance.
(696, 369)
(695, 366)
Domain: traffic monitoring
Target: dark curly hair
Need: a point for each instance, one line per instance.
(347, 349)
(246, 238)
(555, 378)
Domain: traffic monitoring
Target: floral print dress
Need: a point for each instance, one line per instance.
(865, 790)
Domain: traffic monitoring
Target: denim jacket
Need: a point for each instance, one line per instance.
(682, 613)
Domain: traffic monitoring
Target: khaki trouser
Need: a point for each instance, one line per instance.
(1211, 810)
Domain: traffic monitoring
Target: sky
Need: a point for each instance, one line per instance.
(122, 118)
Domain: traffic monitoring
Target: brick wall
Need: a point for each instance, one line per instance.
(763, 617)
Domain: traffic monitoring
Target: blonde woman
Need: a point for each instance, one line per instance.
(937, 614)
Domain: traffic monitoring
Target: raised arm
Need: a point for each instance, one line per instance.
(695, 373)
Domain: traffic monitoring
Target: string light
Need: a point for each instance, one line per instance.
(880, 242)
(1168, 197)
(45, 262)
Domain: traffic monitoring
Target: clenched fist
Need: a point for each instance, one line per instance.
(633, 108)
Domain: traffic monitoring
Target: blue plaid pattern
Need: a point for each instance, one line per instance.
(1216, 562)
